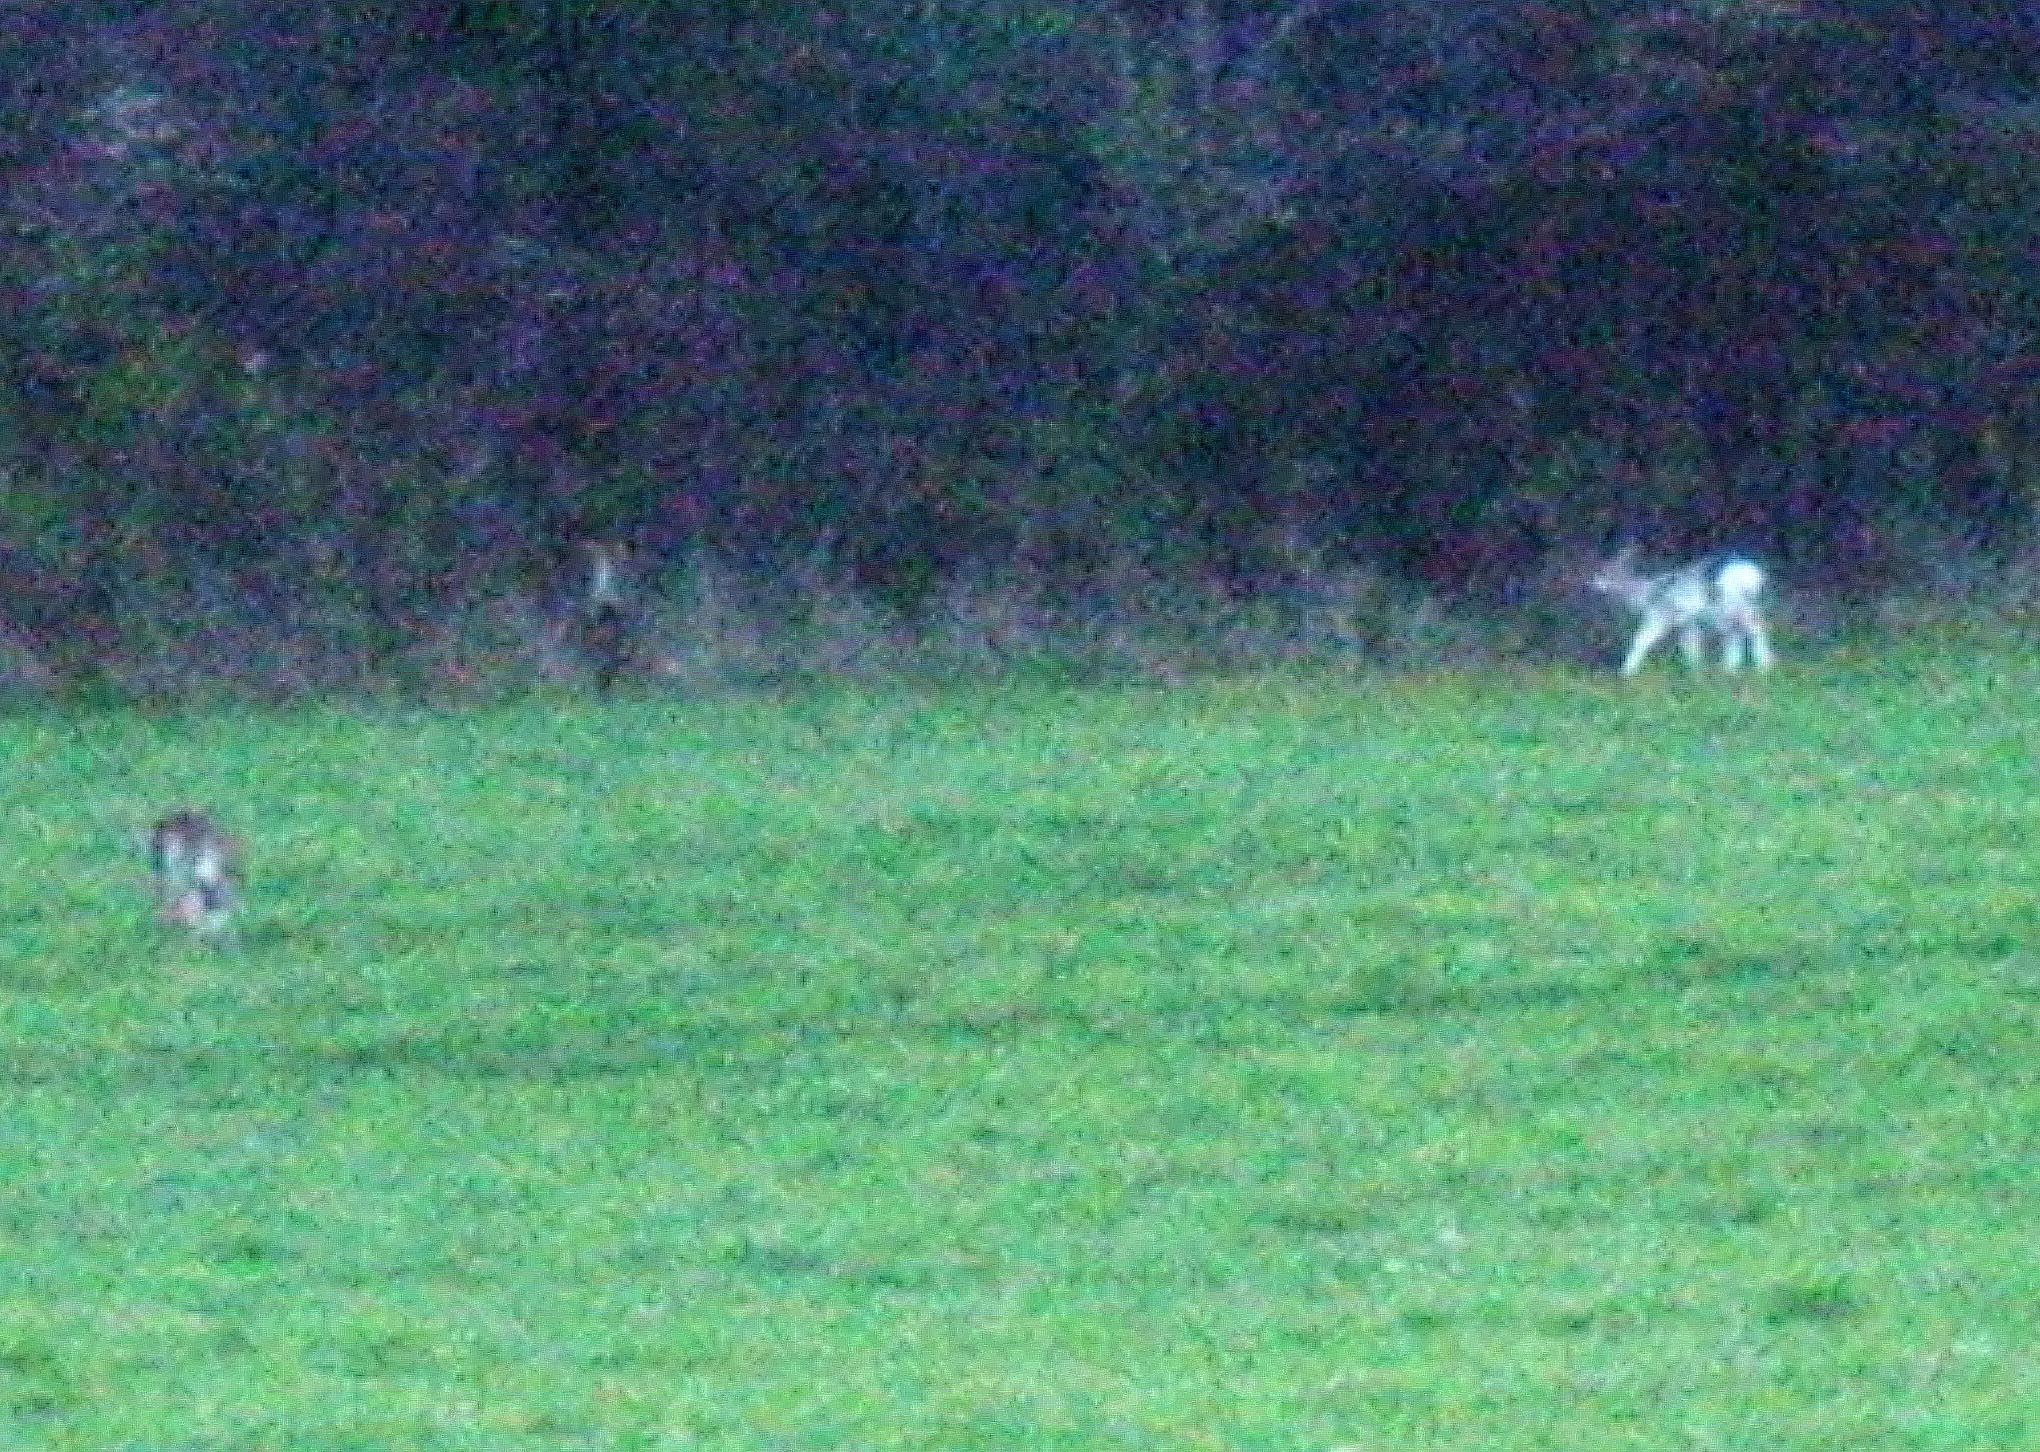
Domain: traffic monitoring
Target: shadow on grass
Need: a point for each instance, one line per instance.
(1680, 966)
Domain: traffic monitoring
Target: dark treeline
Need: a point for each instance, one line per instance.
(399, 298)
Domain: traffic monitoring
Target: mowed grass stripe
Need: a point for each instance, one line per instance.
(1473, 1060)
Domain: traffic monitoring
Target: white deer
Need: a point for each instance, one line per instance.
(1719, 595)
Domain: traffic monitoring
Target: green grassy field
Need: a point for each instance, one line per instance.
(1466, 1061)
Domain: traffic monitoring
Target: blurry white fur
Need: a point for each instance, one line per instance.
(1720, 596)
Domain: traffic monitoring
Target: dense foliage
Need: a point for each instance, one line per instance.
(395, 297)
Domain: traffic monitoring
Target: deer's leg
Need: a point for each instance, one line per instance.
(1734, 638)
(1647, 635)
(1759, 641)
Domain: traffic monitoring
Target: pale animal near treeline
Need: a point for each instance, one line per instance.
(197, 869)
(1721, 596)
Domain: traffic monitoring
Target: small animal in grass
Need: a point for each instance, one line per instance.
(197, 868)
(1720, 596)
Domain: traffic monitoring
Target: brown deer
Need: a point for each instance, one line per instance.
(197, 872)
(608, 626)
(606, 618)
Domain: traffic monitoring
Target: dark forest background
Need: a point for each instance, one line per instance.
(329, 329)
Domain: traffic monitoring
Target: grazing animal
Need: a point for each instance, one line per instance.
(609, 626)
(1720, 595)
(197, 871)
